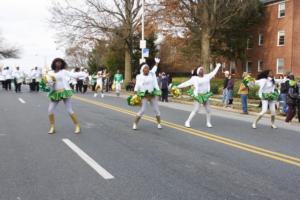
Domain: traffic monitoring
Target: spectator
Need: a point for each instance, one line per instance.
(229, 92)
(291, 99)
(164, 87)
(298, 101)
(243, 92)
(225, 82)
(283, 94)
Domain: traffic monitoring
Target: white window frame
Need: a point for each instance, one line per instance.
(277, 65)
(249, 40)
(281, 7)
(232, 67)
(259, 65)
(261, 39)
(247, 66)
(279, 34)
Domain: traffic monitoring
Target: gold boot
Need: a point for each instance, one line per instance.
(52, 122)
(75, 121)
(158, 122)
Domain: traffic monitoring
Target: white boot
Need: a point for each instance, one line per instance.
(254, 125)
(273, 122)
(187, 124)
(134, 127)
(188, 121)
(208, 121)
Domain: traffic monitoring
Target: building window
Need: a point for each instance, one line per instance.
(248, 66)
(260, 65)
(280, 66)
(232, 67)
(260, 39)
(281, 38)
(281, 10)
(250, 43)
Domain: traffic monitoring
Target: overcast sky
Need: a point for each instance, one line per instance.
(23, 23)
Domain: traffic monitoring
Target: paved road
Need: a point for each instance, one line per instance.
(109, 161)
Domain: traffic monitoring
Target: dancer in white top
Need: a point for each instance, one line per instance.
(200, 93)
(57, 84)
(147, 88)
(268, 95)
(99, 85)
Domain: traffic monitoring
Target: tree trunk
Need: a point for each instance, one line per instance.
(128, 68)
(205, 48)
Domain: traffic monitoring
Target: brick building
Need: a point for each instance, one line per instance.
(275, 43)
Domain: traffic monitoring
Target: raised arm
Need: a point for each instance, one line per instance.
(279, 81)
(215, 71)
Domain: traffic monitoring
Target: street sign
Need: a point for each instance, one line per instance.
(143, 44)
(146, 53)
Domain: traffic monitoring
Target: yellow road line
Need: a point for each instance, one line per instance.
(229, 142)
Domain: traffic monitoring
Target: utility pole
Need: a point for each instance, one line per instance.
(143, 42)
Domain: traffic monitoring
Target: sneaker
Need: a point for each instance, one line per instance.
(95, 95)
(102, 96)
(159, 126)
(134, 127)
(187, 124)
(254, 126)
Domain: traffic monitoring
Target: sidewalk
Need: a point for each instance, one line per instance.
(216, 103)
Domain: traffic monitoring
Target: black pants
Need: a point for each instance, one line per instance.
(17, 86)
(291, 112)
(165, 94)
(79, 86)
(34, 86)
(85, 87)
(298, 109)
(72, 86)
(7, 85)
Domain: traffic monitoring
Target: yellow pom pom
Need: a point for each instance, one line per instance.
(175, 92)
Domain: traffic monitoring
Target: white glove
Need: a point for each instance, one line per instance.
(157, 60)
(219, 65)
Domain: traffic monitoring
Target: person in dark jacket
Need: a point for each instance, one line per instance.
(298, 101)
(291, 99)
(284, 87)
(164, 87)
(229, 92)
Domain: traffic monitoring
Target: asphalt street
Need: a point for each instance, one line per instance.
(110, 161)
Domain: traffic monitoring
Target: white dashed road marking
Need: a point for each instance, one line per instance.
(91, 162)
(22, 101)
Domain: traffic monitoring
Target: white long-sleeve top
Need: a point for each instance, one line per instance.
(18, 74)
(201, 84)
(1, 76)
(36, 74)
(266, 85)
(62, 79)
(147, 83)
(7, 74)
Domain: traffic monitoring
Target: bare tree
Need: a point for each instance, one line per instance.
(7, 52)
(203, 18)
(76, 56)
(95, 20)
